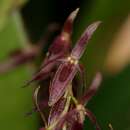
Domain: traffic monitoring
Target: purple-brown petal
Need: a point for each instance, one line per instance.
(43, 73)
(83, 40)
(59, 46)
(59, 85)
(56, 110)
(92, 89)
(77, 126)
(69, 117)
(68, 25)
(65, 72)
(62, 42)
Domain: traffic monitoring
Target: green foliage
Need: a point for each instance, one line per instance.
(14, 101)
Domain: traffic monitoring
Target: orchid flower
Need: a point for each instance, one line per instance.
(69, 66)
(66, 112)
(70, 113)
(59, 49)
(76, 116)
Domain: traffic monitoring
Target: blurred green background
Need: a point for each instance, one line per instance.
(112, 102)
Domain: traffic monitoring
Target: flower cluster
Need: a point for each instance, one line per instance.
(59, 104)
(67, 112)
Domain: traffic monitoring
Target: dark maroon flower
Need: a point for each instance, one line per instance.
(76, 116)
(68, 117)
(65, 110)
(56, 111)
(59, 49)
(72, 118)
(70, 66)
(59, 105)
(77, 126)
(92, 89)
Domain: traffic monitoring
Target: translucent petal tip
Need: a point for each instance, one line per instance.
(91, 28)
(97, 80)
(68, 25)
(74, 14)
